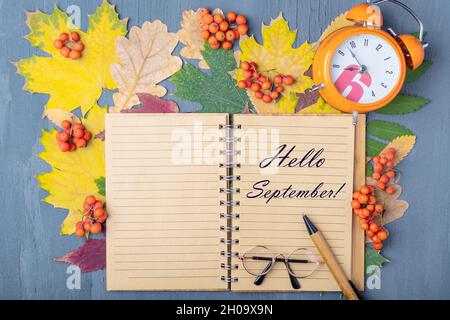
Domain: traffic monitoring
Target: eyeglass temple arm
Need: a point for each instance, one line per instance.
(259, 279)
(294, 281)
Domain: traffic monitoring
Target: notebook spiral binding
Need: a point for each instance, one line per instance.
(228, 215)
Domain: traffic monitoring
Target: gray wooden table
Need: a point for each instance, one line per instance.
(29, 229)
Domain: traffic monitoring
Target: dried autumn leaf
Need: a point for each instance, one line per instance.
(73, 174)
(152, 104)
(338, 23)
(59, 115)
(70, 83)
(394, 208)
(403, 146)
(276, 55)
(91, 256)
(145, 60)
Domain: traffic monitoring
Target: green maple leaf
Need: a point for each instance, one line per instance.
(216, 92)
(373, 258)
(386, 130)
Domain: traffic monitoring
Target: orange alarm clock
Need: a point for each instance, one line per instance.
(362, 68)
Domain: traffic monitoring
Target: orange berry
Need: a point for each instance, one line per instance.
(369, 233)
(227, 45)
(218, 18)
(376, 159)
(213, 27)
(79, 232)
(372, 200)
(245, 66)
(247, 74)
(212, 41)
(288, 80)
(279, 89)
(392, 150)
(278, 79)
(224, 26)
(62, 136)
(90, 200)
(204, 11)
(81, 143)
(242, 29)
(377, 246)
(79, 225)
(378, 168)
(87, 136)
(379, 208)
(78, 133)
(237, 35)
(75, 36)
(65, 52)
(64, 36)
(74, 55)
(241, 20)
(73, 147)
(371, 188)
(64, 146)
(390, 164)
(58, 44)
(374, 227)
(103, 218)
(231, 16)
(390, 155)
(66, 124)
(208, 19)
(267, 99)
(376, 176)
(370, 207)
(87, 226)
(364, 213)
(390, 174)
(384, 178)
(376, 239)
(99, 212)
(205, 27)
(96, 228)
(78, 126)
(365, 190)
(242, 85)
(263, 79)
(364, 226)
(230, 35)
(266, 85)
(274, 95)
(256, 87)
(390, 190)
(381, 186)
(356, 204)
(220, 35)
(382, 235)
(363, 199)
(383, 160)
(259, 94)
(356, 195)
(79, 46)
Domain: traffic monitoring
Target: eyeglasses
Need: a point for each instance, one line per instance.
(300, 263)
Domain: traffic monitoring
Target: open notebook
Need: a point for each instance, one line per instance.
(188, 194)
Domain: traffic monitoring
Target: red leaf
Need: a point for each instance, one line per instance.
(152, 104)
(91, 256)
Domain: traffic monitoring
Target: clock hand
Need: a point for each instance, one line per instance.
(363, 67)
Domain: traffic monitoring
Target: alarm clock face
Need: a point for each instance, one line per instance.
(365, 68)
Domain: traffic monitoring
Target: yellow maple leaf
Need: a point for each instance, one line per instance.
(73, 174)
(277, 55)
(146, 60)
(338, 23)
(320, 107)
(403, 146)
(72, 83)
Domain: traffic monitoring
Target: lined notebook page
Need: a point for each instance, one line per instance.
(276, 221)
(162, 195)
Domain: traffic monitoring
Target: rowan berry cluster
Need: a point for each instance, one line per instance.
(383, 171)
(70, 46)
(263, 88)
(220, 30)
(365, 206)
(94, 216)
(72, 136)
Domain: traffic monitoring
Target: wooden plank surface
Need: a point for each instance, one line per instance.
(419, 242)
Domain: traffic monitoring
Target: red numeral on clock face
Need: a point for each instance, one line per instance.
(350, 83)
